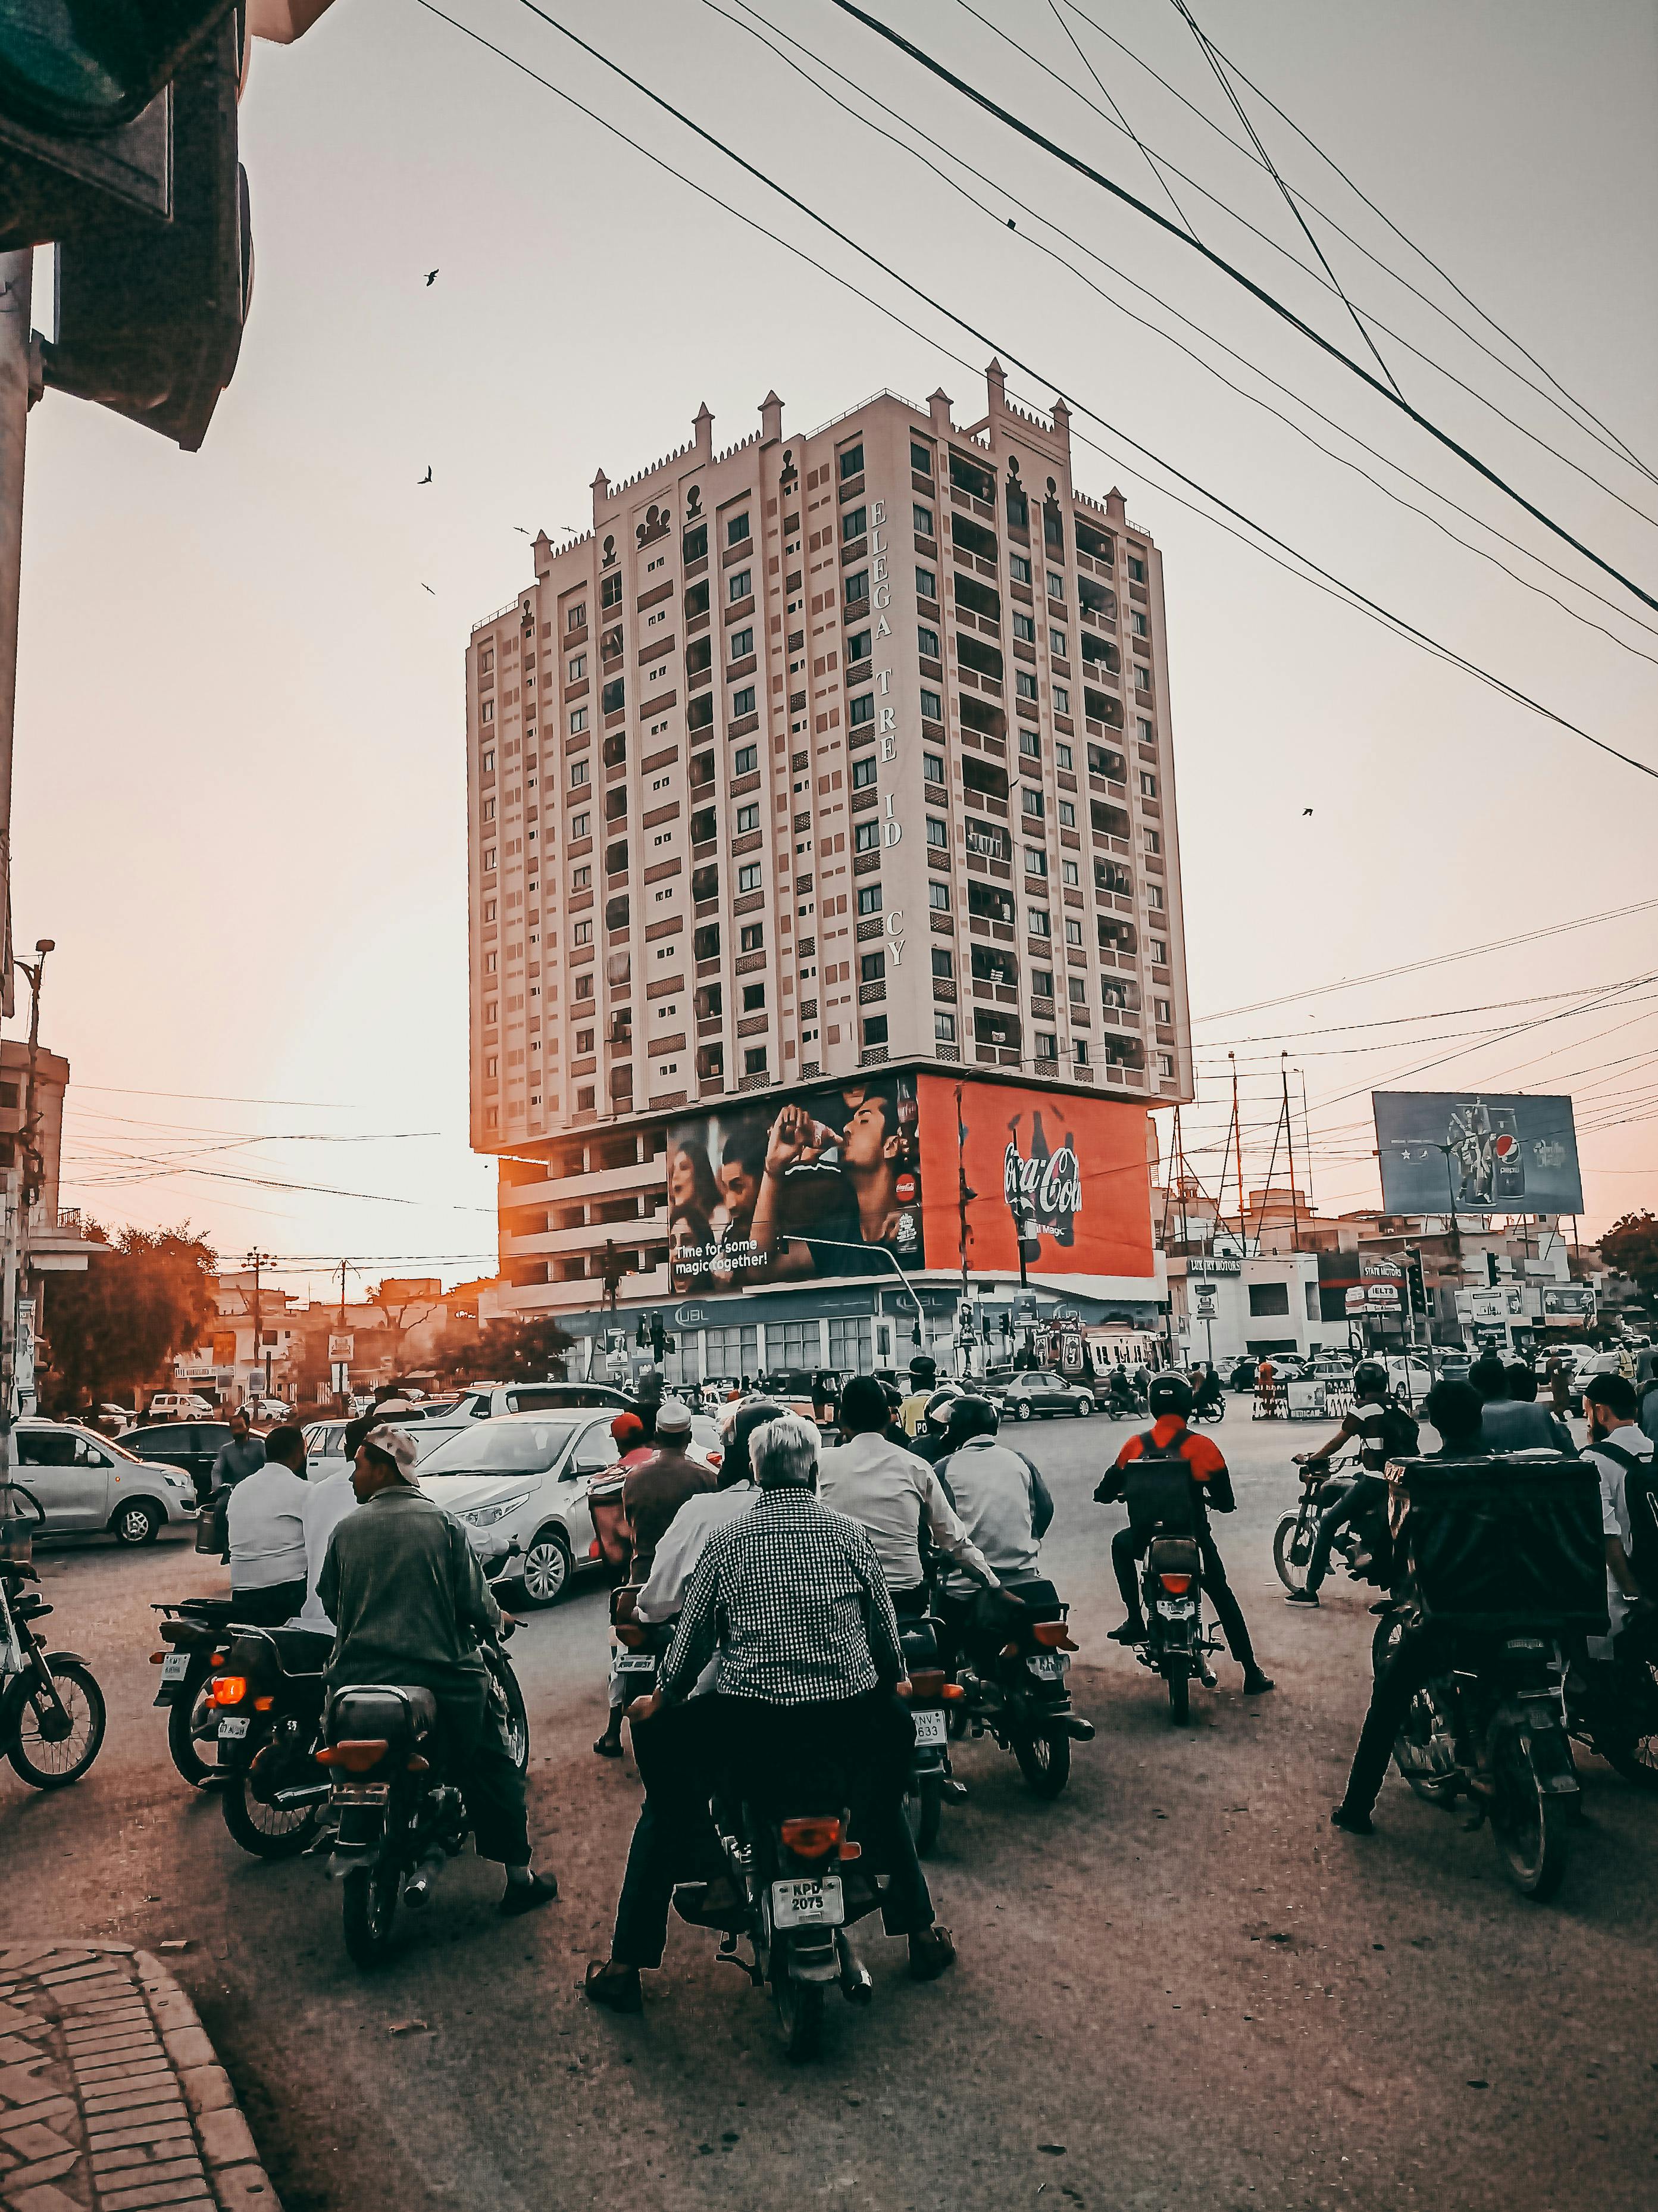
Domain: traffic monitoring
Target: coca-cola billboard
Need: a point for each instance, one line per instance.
(1043, 1186)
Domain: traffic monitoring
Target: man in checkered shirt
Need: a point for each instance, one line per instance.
(792, 1600)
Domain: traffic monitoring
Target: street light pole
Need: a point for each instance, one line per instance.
(840, 1245)
(16, 276)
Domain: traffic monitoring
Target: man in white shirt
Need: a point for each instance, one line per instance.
(265, 1518)
(890, 1493)
(326, 1504)
(1621, 1455)
(1004, 1504)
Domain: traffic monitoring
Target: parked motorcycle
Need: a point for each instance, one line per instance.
(191, 1632)
(267, 1695)
(1012, 1672)
(51, 1710)
(396, 1819)
(789, 1868)
(1362, 1545)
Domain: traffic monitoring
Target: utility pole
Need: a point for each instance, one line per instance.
(257, 1261)
(16, 280)
(1290, 1143)
(1237, 1137)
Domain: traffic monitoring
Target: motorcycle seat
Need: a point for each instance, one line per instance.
(374, 1710)
(302, 1650)
(1173, 1555)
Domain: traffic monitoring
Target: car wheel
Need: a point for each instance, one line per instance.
(1084, 1407)
(1024, 1410)
(134, 1522)
(546, 1569)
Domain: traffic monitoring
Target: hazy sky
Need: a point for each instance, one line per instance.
(240, 804)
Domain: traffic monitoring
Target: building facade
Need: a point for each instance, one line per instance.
(827, 766)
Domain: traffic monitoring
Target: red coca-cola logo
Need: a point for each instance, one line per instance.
(905, 1189)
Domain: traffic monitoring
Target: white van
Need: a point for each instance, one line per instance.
(180, 1406)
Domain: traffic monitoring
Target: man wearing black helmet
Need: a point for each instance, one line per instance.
(1169, 1438)
(1369, 1419)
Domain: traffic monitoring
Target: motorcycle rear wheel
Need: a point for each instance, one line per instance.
(1044, 1761)
(1531, 1829)
(267, 1832)
(44, 1760)
(188, 1713)
(370, 1908)
(923, 1805)
(799, 2015)
(1292, 1547)
(1180, 1698)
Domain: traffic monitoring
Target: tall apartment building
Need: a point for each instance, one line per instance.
(818, 757)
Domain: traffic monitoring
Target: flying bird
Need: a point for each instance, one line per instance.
(1306, 810)
(431, 278)
(426, 478)
(427, 587)
(521, 530)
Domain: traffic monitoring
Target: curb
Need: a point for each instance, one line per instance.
(112, 2098)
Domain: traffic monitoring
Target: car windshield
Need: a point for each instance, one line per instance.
(500, 1448)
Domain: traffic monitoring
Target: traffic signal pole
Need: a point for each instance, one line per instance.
(16, 285)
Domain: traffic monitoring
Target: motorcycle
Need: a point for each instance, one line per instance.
(1178, 1642)
(644, 1643)
(1612, 1709)
(1013, 1680)
(396, 1819)
(1127, 1406)
(1207, 1409)
(1493, 1729)
(191, 1633)
(51, 1710)
(933, 1697)
(1362, 1545)
(267, 1695)
(797, 1906)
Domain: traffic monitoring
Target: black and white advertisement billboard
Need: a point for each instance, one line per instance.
(1477, 1152)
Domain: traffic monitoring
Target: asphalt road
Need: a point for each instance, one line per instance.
(1176, 1984)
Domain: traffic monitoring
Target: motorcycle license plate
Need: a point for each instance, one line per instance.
(808, 1904)
(1048, 1666)
(235, 1728)
(637, 1662)
(175, 1666)
(1177, 1609)
(930, 1728)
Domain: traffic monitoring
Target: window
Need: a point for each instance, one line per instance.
(1137, 576)
(944, 962)
(926, 585)
(1039, 922)
(577, 667)
(944, 1028)
(1055, 584)
(748, 817)
(861, 710)
(875, 1030)
(938, 897)
(859, 646)
(739, 645)
(580, 878)
(1030, 745)
(1138, 624)
(1166, 1066)
(1154, 895)
(869, 899)
(1144, 730)
(748, 879)
(1148, 784)
(1266, 1300)
(1032, 803)
(1157, 951)
(1079, 1052)
(1024, 627)
(1041, 983)
(1142, 678)
(487, 711)
(1153, 841)
(1056, 643)
(1163, 1009)
(1035, 862)
(609, 591)
(1019, 569)
(738, 586)
(753, 997)
(922, 519)
(937, 833)
(583, 987)
(742, 702)
(873, 968)
(1067, 815)
(753, 1059)
(932, 768)
(610, 697)
(863, 772)
(1062, 755)
(932, 707)
(579, 774)
(1025, 684)
(578, 721)
(856, 591)
(927, 640)
(1069, 872)
(852, 461)
(866, 837)
(487, 761)
(577, 617)
(745, 759)
(488, 858)
(854, 523)
(581, 933)
(751, 938)
(1062, 700)
(737, 530)
(1047, 1045)
(489, 960)
(581, 826)
(488, 915)
(1073, 930)
(921, 458)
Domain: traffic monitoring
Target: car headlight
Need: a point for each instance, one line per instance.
(176, 1481)
(485, 1516)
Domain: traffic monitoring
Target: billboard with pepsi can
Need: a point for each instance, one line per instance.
(1468, 1151)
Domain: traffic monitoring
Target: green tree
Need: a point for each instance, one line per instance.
(526, 1350)
(1631, 1246)
(146, 1294)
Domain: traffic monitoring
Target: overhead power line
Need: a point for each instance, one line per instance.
(1106, 95)
(1322, 579)
(1273, 305)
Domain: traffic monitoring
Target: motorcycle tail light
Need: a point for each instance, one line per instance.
(928, 1683)
(851, 1852)
(1176, 1585)
(356, 1755)
(1054, 1634)
(262, 1705)
(952, 1691)
(630, 1633)
(812, 1839)
(229, 1689)
(157, 1658)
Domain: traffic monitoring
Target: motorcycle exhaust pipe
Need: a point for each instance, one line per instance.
(301, 1793)
(1075, 1725)
(417, 1890)
(857, 1983)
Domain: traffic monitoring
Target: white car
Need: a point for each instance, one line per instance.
(180, 1406)
(1410, 1375)
(488, 1401)
(523, 1479)
(86, 1485)
(268, 1409)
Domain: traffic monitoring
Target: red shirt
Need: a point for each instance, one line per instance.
(1202, 1456)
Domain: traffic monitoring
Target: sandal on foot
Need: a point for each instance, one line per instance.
(613, 1986)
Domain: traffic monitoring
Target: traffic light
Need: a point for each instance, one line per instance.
(1415, 1284)
(658, 1338)
(642, 1334)
(1491, 1269)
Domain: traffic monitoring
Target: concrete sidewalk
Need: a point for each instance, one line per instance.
(111, 2097)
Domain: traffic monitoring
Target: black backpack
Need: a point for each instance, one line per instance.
(1399, 1433)
(1641, 1495)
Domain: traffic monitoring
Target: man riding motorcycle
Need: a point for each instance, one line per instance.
(1367, 1421)
(893, 1493)
(792, 1600)
(1171, 1400)
(1000, 1498)
(403, 1586)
